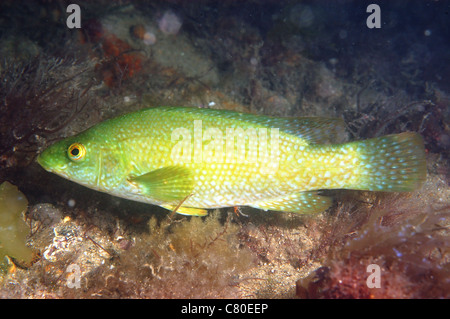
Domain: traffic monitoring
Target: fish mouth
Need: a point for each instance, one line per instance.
(48, 166)
(41, 160)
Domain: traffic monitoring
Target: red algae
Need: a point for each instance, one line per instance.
(405, 239)
(119, 60)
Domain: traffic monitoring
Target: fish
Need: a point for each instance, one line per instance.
(189, 160)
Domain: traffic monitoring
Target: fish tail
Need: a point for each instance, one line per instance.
(393, 163)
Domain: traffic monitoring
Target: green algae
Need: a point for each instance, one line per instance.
(13, 229)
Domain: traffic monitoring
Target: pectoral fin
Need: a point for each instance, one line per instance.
(169, 184)
(302, 203)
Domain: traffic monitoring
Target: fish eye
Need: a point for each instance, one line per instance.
(76, 152)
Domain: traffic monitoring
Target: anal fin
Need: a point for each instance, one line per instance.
(302, 203)
(187, 210)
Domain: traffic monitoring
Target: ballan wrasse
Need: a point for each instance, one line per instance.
(193, 159)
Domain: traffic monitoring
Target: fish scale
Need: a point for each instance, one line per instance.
(170, 156)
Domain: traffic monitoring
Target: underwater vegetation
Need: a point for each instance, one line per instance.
(183, 258)
(39, 98)
(13, 229)
(273, 58)
(118, 60)
(406, 236)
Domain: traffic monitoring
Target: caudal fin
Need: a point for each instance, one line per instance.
(393, 163)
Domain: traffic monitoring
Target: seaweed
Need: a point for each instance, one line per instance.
(182, 258)
(39, 98)
(13, 230)
(255, 57)
(407, 237)
(187, 258)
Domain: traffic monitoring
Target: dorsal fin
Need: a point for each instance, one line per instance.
(317, 130)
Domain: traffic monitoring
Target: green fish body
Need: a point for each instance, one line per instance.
(193, 159)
